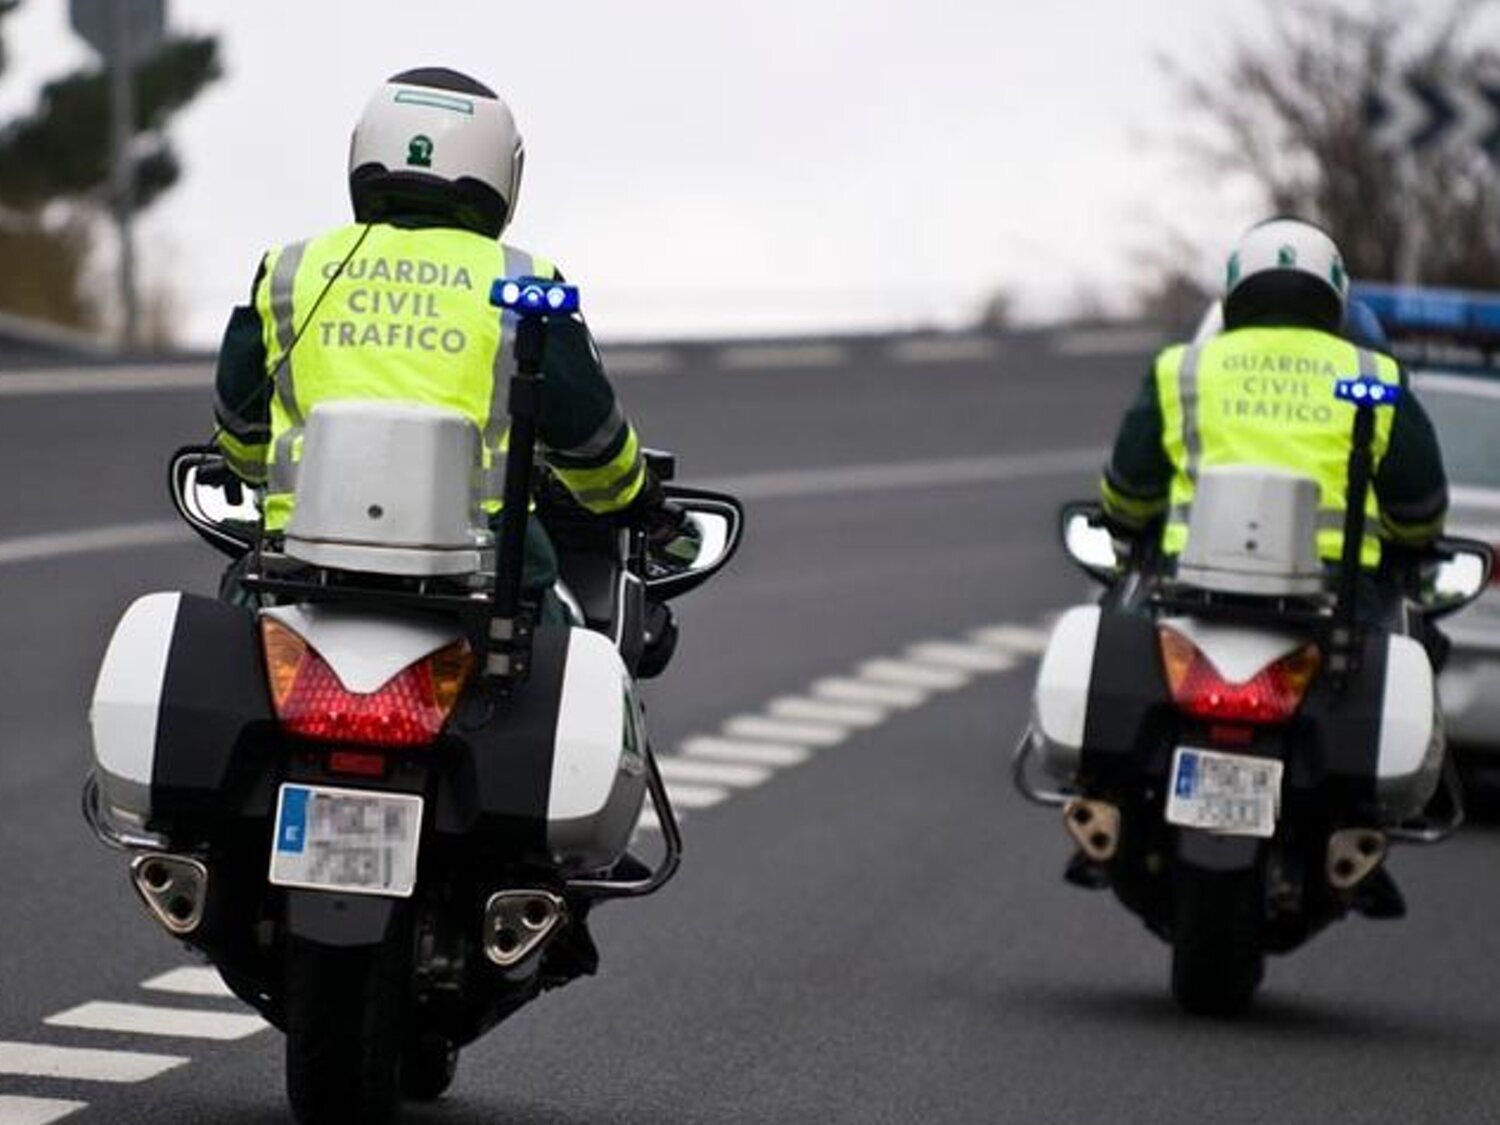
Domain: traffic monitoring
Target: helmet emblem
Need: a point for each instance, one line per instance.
(419, 151)
(1286, 257)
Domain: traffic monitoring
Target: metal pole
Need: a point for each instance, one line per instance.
(122, 173)
(1409, 251)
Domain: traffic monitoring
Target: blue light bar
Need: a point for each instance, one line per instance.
(1457, 315)
(1367, 392)
(534, 296)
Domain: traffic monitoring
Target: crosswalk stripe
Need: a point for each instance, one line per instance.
(732, 750)
(908, 674)
(780, 730)
(696, 796)
(16, 1110)
(148, 1019)
(1013, 638)
(822, 711)
(967, 658)
(864, 691)
(190, 980)
(86, 1064)
(711, 773)
(649, 821)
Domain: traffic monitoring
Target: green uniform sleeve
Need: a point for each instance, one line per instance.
(590, 444)
(242, 395)
(1411, 486)
(1138, 479)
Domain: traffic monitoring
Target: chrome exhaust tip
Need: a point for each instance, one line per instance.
(517, 922)
(1353, 853)
(1094, 826)
(173, 887)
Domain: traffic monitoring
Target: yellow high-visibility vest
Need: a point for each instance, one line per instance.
(1264, 396)
(402, 315)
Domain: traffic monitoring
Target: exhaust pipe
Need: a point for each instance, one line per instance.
(518, 922)
(1094, 826)
(1352, 854)
(173, 887)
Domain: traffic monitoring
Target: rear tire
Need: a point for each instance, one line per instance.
(343, 1053)
(1217, 961)
(428, 1065)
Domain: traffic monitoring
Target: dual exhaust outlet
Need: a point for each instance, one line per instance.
(516, 923)
(1353, 853)
(173, 887)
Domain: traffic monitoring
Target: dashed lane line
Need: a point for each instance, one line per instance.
(867, 691)
(782, 730)
(17, 1110)
(906, 673)
(799, 707)
(190, 980)
(34, 548)
(777, 754)
(735, 775)
(151, 1019)
(965, 658)
(83, 1064)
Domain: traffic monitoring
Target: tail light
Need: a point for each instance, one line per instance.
(407, 710)
(1495, 571)
(1272, 695)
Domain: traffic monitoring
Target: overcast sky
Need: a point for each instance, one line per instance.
(703, 166)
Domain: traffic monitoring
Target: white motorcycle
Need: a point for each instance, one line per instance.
(1235, 742)
(384, 802)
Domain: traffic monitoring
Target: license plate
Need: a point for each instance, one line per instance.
(350, 840)
(1230, 794)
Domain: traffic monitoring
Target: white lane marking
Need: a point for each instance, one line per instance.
(907, 674)
(944, 349)
(746, 357)
(641, 361)
(106, 380)
(16, 1110)
(85, 1064)
(695, 796)
(190, 980)
(1013, 638)
(799, 707)
(710, 773)
(148, 1019)
(780, 730)
(1108, 341)
(847, 479)
(33, 548)
(649, 821)
(966, 658)
(757, 753)
(863, 691)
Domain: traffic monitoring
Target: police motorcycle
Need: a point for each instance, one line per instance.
(384, 803)
(1236, 745)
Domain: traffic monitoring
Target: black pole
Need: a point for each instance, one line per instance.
(1346, 635)
(510, 621)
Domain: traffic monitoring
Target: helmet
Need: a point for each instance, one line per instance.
(1286, 269)
(436, 142)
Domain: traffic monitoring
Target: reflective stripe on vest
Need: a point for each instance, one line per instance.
(1264, 396)
(405, 316)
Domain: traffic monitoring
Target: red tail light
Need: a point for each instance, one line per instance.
(1495, 573)
(407, 710)
(1272, 695)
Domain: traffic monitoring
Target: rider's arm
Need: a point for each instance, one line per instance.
(591, 445)
(1138, 478)
(242, 395)
(1410, 485)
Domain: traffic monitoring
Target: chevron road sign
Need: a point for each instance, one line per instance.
(1421, 115)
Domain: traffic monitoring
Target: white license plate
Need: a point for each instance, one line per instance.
(350, 840)
(1231, 794)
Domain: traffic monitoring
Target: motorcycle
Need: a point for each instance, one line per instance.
(1236, 742)
(384, 801)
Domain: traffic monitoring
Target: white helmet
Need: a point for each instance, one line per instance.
(1289, 268)
(436, 140)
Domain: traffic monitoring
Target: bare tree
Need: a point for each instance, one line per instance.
(1288, 112)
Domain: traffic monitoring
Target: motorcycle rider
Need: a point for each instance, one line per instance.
(1261, 393)
(396, 306)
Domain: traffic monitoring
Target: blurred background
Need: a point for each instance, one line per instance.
(802, 166)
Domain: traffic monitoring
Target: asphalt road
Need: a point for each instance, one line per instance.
(878, 934)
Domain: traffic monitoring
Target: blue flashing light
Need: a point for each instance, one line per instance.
(1458, 315)
(1367, 392)
(534, 296)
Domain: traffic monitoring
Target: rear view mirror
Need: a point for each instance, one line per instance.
(719, 523)
(1088, 542)
(212, 501)
(1461, 576)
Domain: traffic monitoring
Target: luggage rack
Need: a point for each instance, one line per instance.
(1315, 611)
(276, 574)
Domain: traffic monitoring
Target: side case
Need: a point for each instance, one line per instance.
(181, 685)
